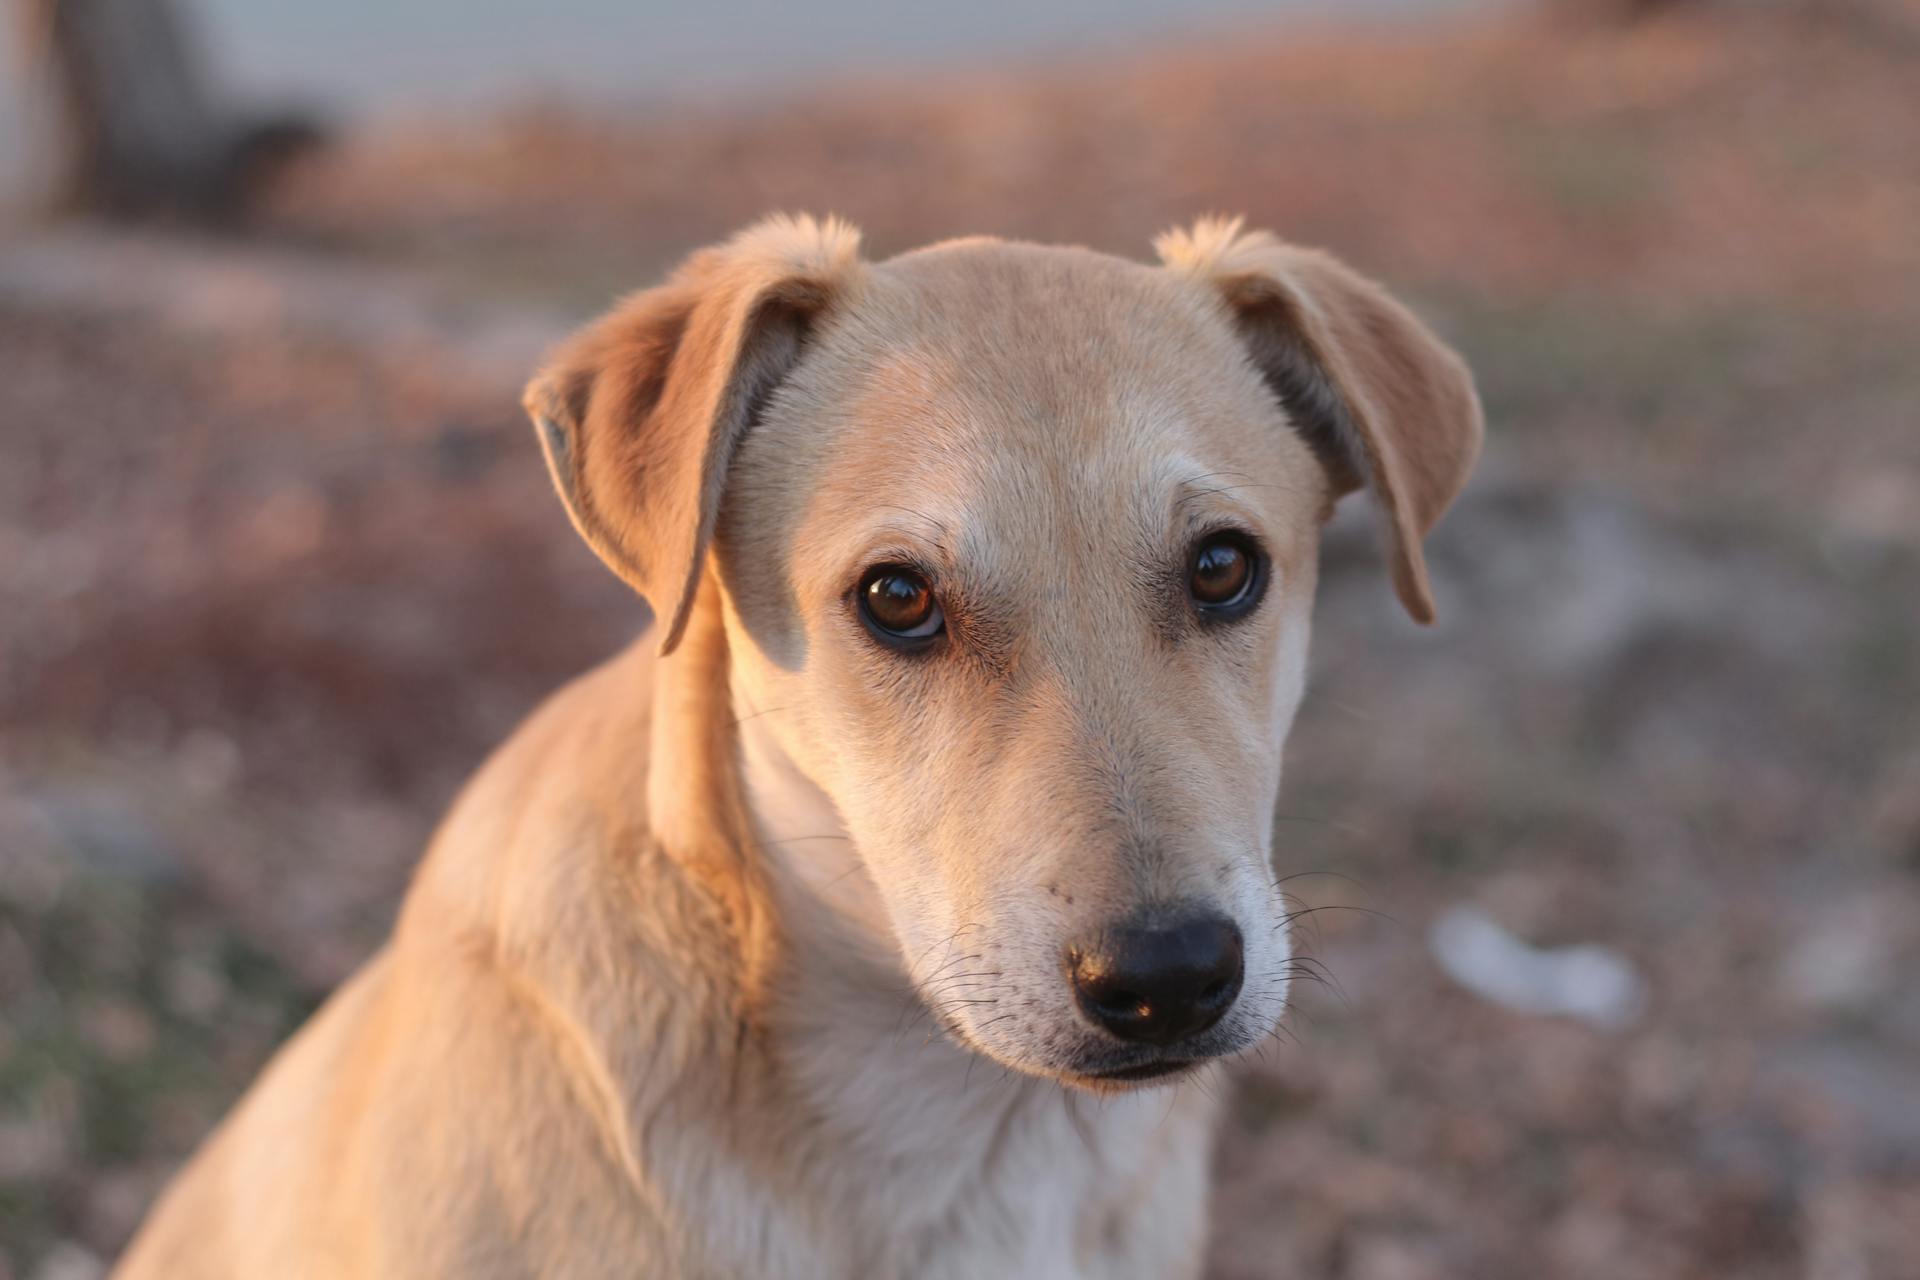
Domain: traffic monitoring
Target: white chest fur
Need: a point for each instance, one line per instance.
(940, 1164)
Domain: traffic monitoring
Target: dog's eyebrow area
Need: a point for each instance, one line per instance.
(1185, 497)
(912, 526)
(1216, 490)
(901, 535)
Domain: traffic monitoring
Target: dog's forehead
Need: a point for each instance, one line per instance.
(1048, 342)
(1018, 365)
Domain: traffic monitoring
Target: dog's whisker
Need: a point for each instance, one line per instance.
(941, 972)
(947, 941)
(944, 979)
(1304, 912)
(842, 876)
(1311, 966)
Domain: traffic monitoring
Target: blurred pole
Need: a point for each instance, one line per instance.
(139, 133)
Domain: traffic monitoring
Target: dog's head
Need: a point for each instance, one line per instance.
(1017, 550)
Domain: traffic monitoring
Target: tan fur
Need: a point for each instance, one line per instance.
(742, 958)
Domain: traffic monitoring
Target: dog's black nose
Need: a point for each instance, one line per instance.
(1155, 986)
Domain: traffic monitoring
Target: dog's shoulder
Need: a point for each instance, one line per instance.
(568, 781)
(586, 746)
(521, 981)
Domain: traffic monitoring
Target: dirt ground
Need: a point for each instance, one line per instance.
(278, 565)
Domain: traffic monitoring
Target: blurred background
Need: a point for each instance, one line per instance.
(1633, 835)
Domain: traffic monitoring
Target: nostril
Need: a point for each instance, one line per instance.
(1120, 1004)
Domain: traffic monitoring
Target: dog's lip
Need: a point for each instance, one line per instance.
(1153, 1069)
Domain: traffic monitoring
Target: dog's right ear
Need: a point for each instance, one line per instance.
(639, 414)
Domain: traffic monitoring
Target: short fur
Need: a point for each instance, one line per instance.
(743, 958)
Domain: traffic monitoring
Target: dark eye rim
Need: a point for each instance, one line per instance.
(1250, 594)
(923, 636)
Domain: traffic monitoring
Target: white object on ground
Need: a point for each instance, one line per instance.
(1592, 983)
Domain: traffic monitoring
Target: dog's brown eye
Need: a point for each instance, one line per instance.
(899, 607)
(1226, 575)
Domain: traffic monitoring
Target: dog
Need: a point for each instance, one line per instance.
(888, 909)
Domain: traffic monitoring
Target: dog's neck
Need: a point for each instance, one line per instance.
(748, 824)
(830, 910)
(802, 840)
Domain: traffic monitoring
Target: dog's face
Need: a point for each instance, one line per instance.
(1017, 551)
(1021, 556)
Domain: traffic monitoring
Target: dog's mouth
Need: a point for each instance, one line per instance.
(1116, 1078)
(1121, 1079)
(1104, 1079)
(1110, 1069)
(1146, 1070)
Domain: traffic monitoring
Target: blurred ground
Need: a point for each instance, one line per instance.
(279, 565)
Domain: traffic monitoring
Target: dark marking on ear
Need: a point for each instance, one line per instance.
(576, 497)
(1271, 327)
(785, 330)
(559, 454)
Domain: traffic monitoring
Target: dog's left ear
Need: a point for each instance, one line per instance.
(1381, 400)
(639, 414)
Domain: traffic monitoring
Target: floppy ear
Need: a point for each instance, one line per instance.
(1381, 400)
(639, 413)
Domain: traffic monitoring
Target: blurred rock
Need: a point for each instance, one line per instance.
(1594, 984)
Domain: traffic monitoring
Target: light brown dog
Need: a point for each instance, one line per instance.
(884, 912)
